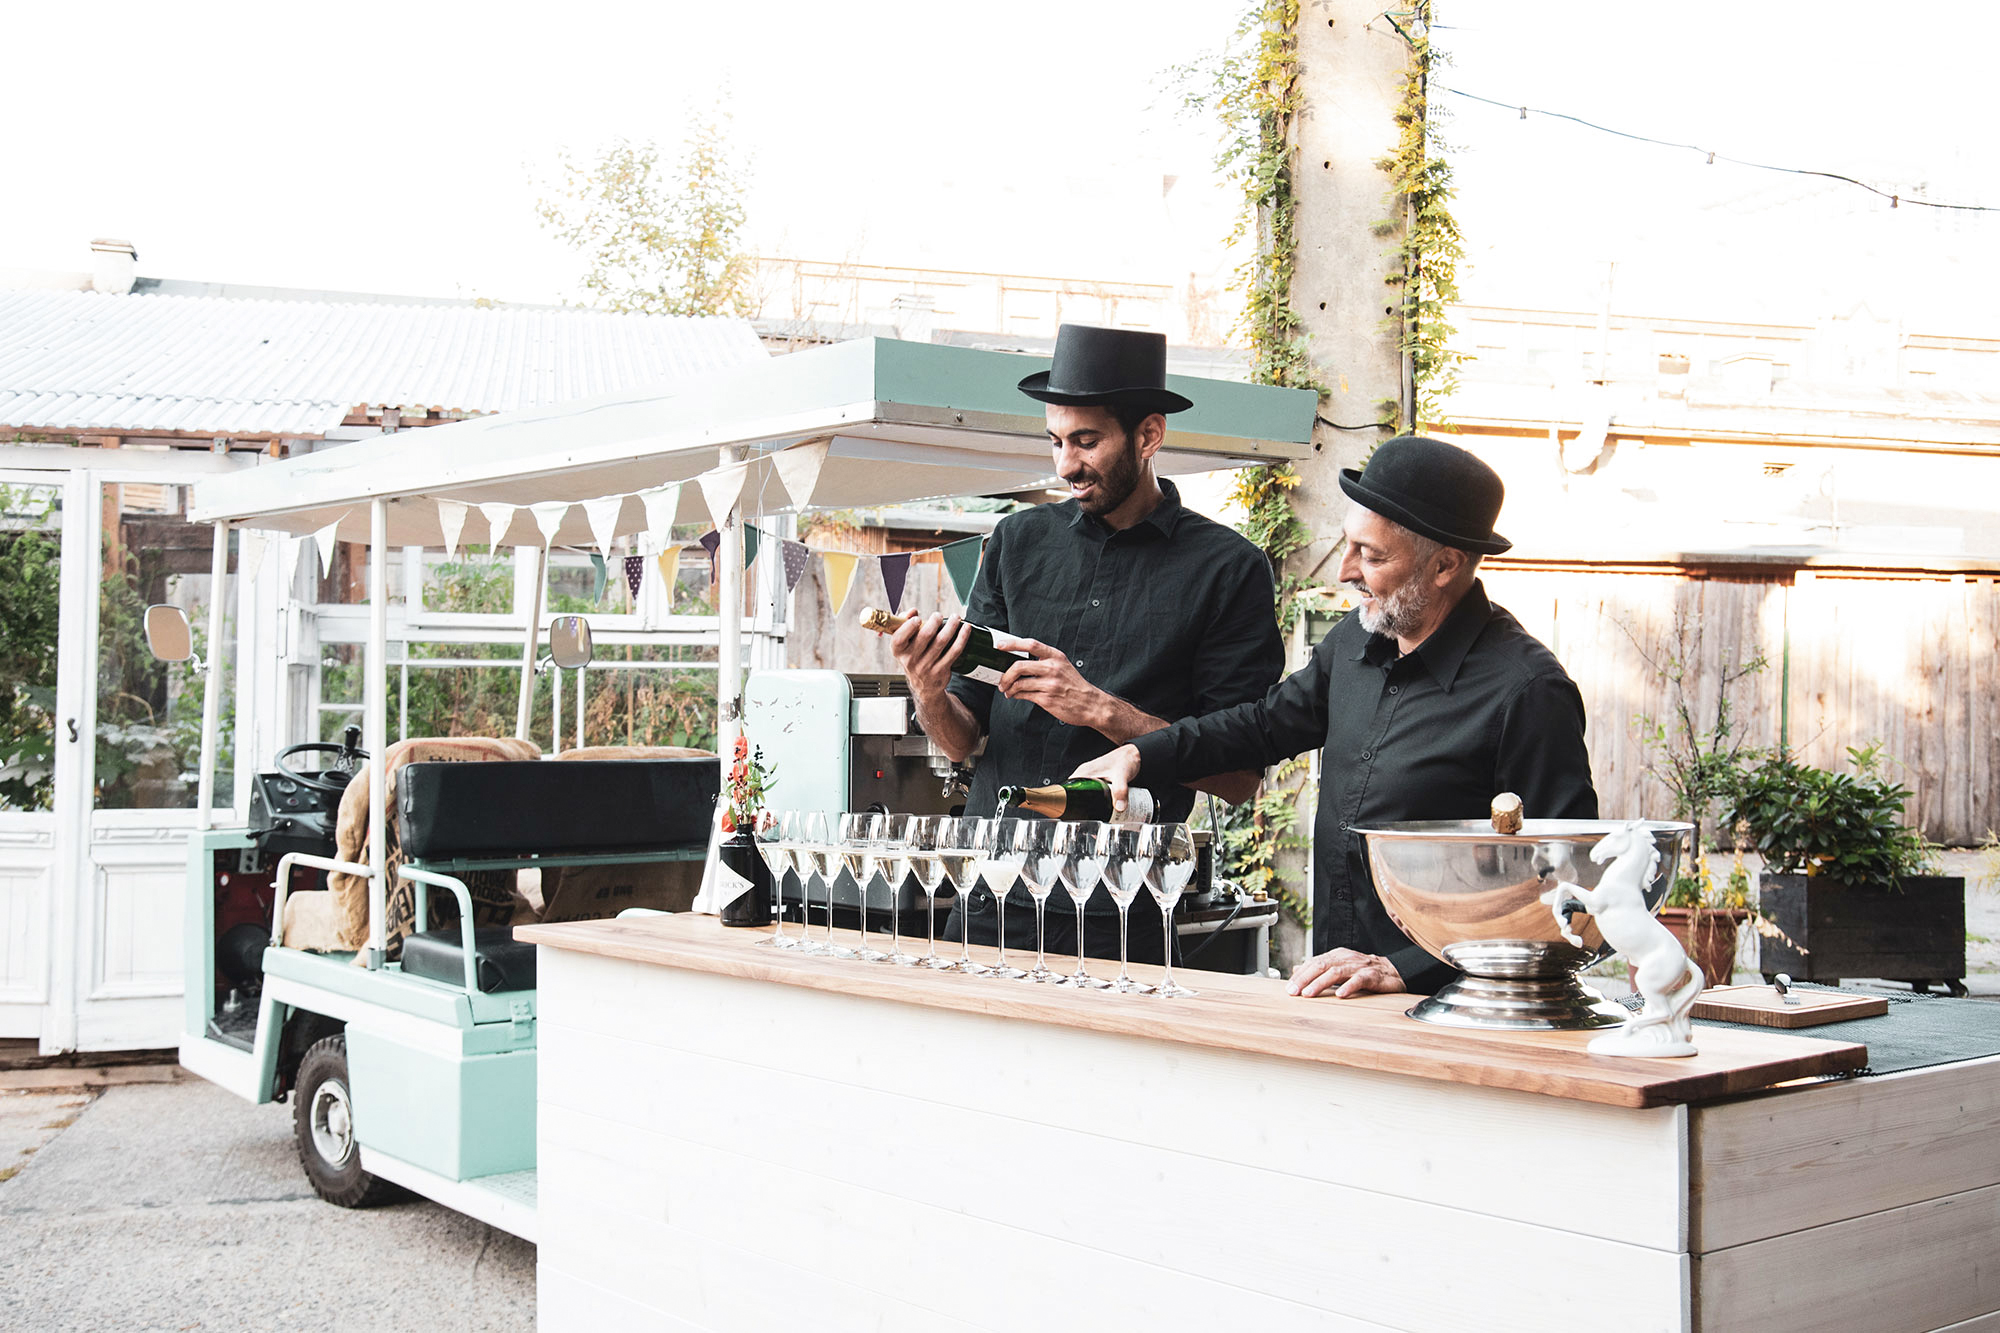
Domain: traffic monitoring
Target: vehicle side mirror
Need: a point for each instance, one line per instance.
(569, 642)
(167, 633)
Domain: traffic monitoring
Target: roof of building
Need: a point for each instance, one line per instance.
(154, 362)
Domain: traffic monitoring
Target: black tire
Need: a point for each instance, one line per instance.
(323, 1127)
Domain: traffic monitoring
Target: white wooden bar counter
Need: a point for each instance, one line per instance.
(737, 1139)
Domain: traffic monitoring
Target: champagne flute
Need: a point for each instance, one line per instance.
(1000, 864)
(815, 857)
(1084, 846)
(1126, 865)
(926, 835)
(958, 853)
(894, 832)
(772, 833)
(1172, 848)
(1041, 866)
(860, 848)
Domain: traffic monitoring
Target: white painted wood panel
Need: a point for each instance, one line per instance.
(568, 1304)
(1917, 1268)
(139, 884)
(1784, 1162)
(27, 878)
(1348, 1127)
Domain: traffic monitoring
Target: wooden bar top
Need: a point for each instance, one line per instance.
(1236, 1013)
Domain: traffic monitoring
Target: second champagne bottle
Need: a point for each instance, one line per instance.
(981, 660)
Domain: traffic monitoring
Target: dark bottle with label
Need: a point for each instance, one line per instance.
(1080, 798)
(980, 661)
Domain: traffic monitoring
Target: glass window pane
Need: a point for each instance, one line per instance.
(30, 613)
(149, 712)
(475, 579)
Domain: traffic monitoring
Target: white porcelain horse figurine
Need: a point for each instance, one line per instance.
(1661, 969)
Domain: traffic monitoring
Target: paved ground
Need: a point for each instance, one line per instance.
(177, 1207)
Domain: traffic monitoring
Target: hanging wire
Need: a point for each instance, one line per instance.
(1714, 156)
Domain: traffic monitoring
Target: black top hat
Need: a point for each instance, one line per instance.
(1103, 366)
(1434, 489)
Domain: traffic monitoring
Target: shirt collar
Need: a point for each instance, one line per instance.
(1444, 651)
(1166, 515)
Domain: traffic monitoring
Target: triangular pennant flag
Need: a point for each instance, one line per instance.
(499, 517)
(602, 514)
(711, 542)
(600, 574)
(451, 519)
(670, 566)
(635, 572)
(661, 506)
(895, 572)
(721, 488)
(798, 468)
(250, 555)
(327, 542)
(549, 516)
(840, 567)
(750, 538)
(797, 555)
(961, 561)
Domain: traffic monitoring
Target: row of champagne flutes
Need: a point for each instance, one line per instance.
(941, 850)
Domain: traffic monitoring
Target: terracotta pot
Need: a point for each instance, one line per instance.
(1712, 943)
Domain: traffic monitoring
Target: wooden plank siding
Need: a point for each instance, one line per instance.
(1911, 662)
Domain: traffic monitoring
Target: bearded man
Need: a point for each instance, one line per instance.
(1134, 611)
(1428, 702)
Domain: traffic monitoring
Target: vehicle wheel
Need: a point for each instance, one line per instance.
(323, 1125)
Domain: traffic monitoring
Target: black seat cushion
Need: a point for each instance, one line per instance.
(534, 807)
(505, 963)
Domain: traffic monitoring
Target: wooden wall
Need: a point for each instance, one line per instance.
(1912, 662)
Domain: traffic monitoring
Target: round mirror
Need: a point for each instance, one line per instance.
(167, 633)
(569, 642)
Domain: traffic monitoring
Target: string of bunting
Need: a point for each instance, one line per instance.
(720, 489)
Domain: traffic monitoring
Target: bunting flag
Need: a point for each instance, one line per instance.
(797, 556)
(895, 572)
(661, 506)
(721, 488)
(327, 541)
(499, 517)
(250, 546)
(635, 572)
(451, 519)
(798, 468)
(751, 537)
(670, 566)
(549, 516)
(711, 542)
(840, 566)
(600, 575)
(602, 515)
(961, 561)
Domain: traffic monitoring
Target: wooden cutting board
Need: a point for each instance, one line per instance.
(1763, 1006)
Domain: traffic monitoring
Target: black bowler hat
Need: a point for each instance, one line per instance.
(1100, 367)
(1434, 489)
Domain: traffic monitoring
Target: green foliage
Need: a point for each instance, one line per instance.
(1846, 826)
(1252, 836)
(30, 584)
(657, 241)
(1700, 766)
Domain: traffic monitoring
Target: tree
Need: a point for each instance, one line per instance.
(657, 241)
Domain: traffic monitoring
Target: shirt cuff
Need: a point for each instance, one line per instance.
(1422, 974)
(1156, 758)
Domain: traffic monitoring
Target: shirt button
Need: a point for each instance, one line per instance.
(1367, 755)
(1095, 602)
(1079, 664)
(1395, 689)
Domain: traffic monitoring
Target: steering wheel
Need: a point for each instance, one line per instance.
(347, 762)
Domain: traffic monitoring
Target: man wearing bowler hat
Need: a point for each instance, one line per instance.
(1429, 701)
(1134, 612)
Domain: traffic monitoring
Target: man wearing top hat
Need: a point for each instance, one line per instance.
(1429, 702)
(1134, 612)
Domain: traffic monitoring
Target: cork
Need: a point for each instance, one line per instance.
(1507, 813)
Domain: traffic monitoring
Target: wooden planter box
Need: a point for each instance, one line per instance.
(1913, 932)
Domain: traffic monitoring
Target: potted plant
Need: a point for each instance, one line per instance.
(1843, 876)
(743, 813)
(1707, 917)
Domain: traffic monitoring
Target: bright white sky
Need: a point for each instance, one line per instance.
(392, 147)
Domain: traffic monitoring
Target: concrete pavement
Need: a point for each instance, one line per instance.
(177, 1207)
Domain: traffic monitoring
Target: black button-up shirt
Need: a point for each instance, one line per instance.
(1480, 707)
(1175, 615)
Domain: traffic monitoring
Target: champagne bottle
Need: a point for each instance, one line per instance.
(1080, 798)
(980, 661)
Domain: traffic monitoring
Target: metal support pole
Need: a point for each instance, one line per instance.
(729, 613)
(375, 730)
(211, 690)
(532, 643)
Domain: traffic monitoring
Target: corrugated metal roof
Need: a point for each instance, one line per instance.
(88, 361)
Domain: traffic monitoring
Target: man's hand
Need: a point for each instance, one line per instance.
(1050, 681)
(925, 650)
(1345, 972)
(1115, 770)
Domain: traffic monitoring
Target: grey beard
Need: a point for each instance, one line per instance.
(1398, 613)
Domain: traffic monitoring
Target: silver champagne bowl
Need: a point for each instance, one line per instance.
(1473, 897)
